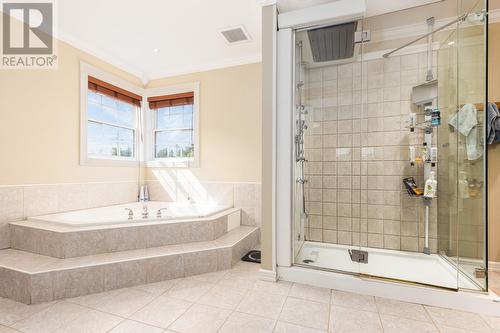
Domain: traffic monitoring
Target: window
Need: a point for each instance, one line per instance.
(109, 121)
(174, 132)
(174, 135)
(117, 128)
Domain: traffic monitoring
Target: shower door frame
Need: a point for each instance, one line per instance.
(285, 109)
(283, 268)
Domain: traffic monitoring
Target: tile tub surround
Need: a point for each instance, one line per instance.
(232, 301)
(357, 148)
(32, 278)
(240, 195)
(65, 241)
(19, 202)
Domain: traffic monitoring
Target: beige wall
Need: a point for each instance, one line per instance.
(230, 123)
(40, 139)
(494, 150)
(40, 124)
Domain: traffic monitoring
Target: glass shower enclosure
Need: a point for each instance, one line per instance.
(389, 149)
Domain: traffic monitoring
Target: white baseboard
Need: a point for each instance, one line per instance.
(267, 275)
(494, 266)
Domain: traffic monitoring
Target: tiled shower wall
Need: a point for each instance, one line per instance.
(357, 148)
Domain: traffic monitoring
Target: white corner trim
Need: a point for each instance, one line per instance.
(494, 266)
(267, 275)
(207, 66)
(332, 12)
(267, 2)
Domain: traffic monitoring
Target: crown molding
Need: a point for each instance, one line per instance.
(208, 66)
(144, 77)
(102, 55)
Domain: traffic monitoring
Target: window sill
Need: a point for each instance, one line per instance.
(181, 163)
(108, 162)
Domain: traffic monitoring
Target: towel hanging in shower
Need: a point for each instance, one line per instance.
(493, 124)
(465, 122)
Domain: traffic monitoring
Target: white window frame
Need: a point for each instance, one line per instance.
(87, 70)
(150, 121)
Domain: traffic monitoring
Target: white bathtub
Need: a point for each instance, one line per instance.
(118, 214)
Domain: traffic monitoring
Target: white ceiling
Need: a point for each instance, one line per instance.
(186, 33)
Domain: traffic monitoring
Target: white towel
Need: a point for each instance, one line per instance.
(465, 122)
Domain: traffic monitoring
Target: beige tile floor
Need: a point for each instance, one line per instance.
(234, 301)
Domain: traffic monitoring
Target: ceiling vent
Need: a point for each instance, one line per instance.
(235, 35)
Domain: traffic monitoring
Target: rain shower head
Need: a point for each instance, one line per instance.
(333, 43)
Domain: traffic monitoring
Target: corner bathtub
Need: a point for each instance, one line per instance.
(119, 215)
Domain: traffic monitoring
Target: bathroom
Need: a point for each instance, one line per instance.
(290, 167)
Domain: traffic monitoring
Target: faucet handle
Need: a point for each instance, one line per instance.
(130, 213)
(158, 212)
(145, 212)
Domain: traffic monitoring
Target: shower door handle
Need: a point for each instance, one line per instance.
(301, 180)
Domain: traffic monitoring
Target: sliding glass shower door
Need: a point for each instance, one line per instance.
(371, 118)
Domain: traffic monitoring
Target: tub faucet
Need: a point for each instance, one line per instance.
(158, 212)
(130, 213)
(145, 212)
(144, 194)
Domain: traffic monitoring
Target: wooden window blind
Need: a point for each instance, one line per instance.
(113, 91)
(156, 102)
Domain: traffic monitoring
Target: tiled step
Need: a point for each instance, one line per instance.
(32, 278)
(61, 241)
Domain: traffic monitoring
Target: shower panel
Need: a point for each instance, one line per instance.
(299, 150)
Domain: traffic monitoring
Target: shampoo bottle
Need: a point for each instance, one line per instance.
(430, 186)
(412, 155)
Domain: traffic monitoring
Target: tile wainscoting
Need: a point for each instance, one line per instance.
(241, 195)
(19, 202)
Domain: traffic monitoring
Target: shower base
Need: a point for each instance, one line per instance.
(416, 267)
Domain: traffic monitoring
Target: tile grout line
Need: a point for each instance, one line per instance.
(432, 319)
(31, 315)
(195, 303)
(154, 299)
